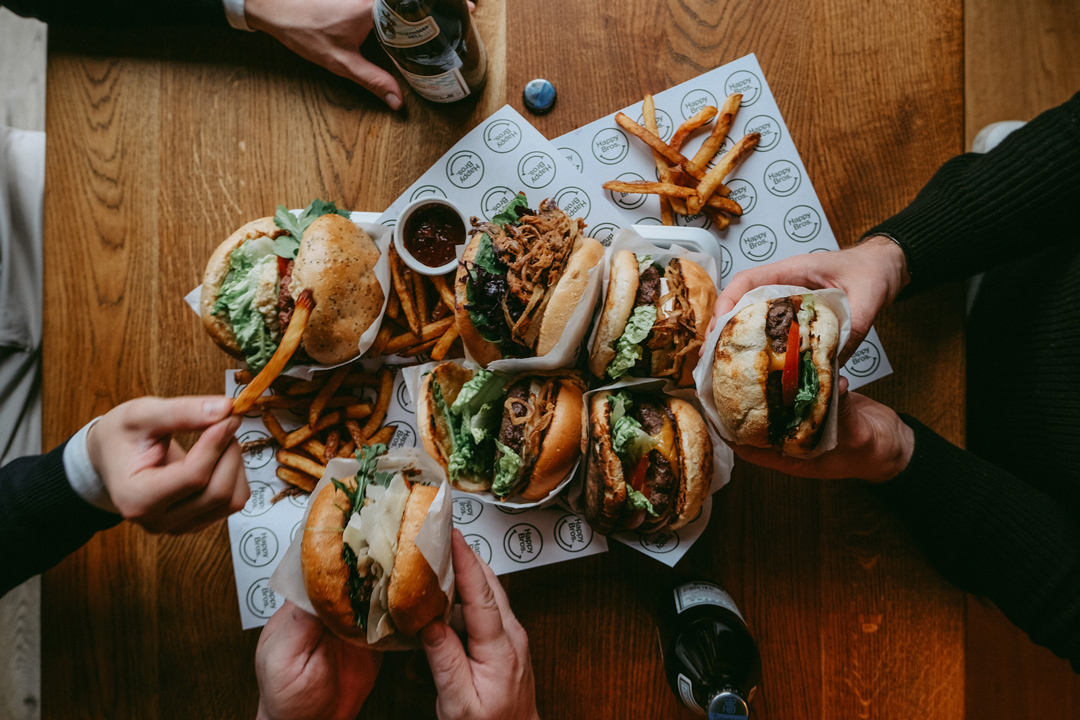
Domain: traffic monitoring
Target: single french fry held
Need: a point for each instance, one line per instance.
(285, 350)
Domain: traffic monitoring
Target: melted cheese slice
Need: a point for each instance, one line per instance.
(666, 441)
(776, 362)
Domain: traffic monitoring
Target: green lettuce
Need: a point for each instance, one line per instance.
(809, 386)
(627, 347)
(643, 263)
(506, 471)
(508, 215)
(237, 299)
(286, 246)
(472, 425)
(484, 387)
(628, 440)
(637, 501)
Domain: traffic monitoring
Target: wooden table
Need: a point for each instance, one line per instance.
(162, 142)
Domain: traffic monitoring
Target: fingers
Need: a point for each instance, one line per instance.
(853, 343)
(509, 620)
(450, 667)
(488, 641)
(225, 493)
(155, 416)
(177, 480)
(369, 75)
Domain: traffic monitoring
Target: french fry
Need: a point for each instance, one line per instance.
(256, 444)
(274, 427)
(285, 350)
(346, 450)
(379, 346)
(443, 346)
(719, 219)
(403, 284)
(393, 306)
(243, 377)
(305, 387)
(355, 432)
(301, 463)
(720, 130)
(314, 447)
(719, 202)
(417, 349)
(420, 293)
(701, 117)
(650, 188)
(648, 111)
(333, 439)
(723, 168)
(665, 211)
(304, 432)
(280, 402)
(326, 393)
(430, 331)
(359, 411)
(445, 292)
(297, 479)
(383, 436)
(382, 402)
(439, 311)
(652, 140)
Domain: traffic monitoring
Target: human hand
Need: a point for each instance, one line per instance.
(872, 273)
(494, 681)
(873, 444)
(149, 477)
(328, 33)
(306, 672)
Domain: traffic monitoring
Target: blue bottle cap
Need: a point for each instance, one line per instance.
(539, 96)
(728, 706)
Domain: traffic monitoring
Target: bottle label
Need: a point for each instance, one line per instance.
(396, 31)
(686, 692)
(702, 593)
(444, 88)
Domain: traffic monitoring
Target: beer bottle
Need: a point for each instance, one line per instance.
(435, 45)
(711, 661)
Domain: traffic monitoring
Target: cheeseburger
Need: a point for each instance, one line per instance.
(253, 279)
(510, 438)
(520, 279)
(654, 319)
(650, 462)
(362, 570)
(773, 373)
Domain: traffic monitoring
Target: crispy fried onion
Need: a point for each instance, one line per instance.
(675, 329)
(539, 412)
(536, 253)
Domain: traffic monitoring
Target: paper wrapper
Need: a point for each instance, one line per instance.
(627, 239)
(413, 377)
(383, 236)
(667, 546)
(703, 373)
(433, 539)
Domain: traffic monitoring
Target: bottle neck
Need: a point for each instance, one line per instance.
(728, 705)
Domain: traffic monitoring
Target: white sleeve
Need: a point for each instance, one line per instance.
(234, 11)
(81, 474)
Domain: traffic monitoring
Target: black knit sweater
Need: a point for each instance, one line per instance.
(1003, 520)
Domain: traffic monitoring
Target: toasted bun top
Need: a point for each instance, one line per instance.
(568, 292)
(214, 276)
(326, 576)
(605, 486)
(561, 445)
(434, 432)
(623, 281)
(414, 594)
(702, 294)
(482, 351)
(695, 461)
(336, 261)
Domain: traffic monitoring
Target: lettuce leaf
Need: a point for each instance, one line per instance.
(809, 386)
(286, 246)
(507, 468)
(509, 215)
(637, 501)
(643, 263)
(628, 440)
(238, 299)
(627, 347)
(472, 431)
(484, 387)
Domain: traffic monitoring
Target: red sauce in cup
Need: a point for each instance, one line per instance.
(432, 234)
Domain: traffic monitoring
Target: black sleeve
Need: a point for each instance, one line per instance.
(113, 13)
(979, 210)
(42, 519)
(993, 535)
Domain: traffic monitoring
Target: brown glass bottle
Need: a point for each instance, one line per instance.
(435, 45)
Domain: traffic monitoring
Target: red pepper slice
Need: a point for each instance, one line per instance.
(282, 266)
(637, 478)
(790, 378)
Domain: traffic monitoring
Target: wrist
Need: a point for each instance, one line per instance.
(894, 452)
(261, 713)
(889, 256)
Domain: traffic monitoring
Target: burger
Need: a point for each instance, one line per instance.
(650, 462)
(520, 279)
(253, 279)
(517, 438)
(773, 373)
(362, 570)
(654, 319)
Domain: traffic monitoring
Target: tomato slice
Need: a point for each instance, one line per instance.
(282, 266)
(637, 478)
(790, 378)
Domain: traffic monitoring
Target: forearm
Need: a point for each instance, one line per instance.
(42, 519)
(113, 13)
(980, 210)
(992, 534)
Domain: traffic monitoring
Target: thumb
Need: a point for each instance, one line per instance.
(369, 75)
(449, 663)
(162, 416)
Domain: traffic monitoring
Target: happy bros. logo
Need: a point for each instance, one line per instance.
(573, 157)
(865, 360)
(260, 500)
(257, 457)
(745, 83)
(465, 169)
(574, 202)
(757, 243)
(609, 146)
(698, 220)
(725, 262)
(261, 600)
(661, 542)
(694, 101)
(726, 145)
(523, 543)
(743, 193)
(465, 510)
(769, 130)
(572, 533)
(536, 169)
(495, 200)
(649, 220)
(628, 201)
(802, 223)
(665, 128)
(426, 191)
(480, 546)
(604, 232)
(258, 547)
(404, 436)
(782, 178)
(502, 136)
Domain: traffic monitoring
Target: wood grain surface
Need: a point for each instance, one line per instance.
(162, 142)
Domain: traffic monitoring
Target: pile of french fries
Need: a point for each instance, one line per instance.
(687, 186)
(419, 315)
(338, 420)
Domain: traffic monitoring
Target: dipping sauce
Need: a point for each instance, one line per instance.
(432, 232)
